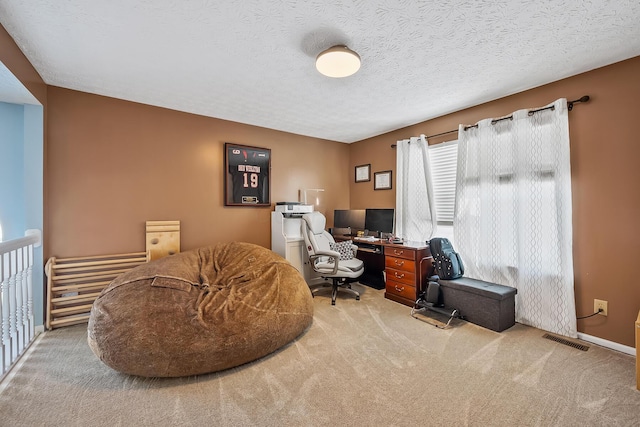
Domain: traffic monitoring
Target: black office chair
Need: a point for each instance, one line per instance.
(326, 261)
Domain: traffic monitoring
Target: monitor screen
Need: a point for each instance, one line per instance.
(379, 220)
(349, 218)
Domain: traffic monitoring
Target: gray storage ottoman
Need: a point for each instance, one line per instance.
(486, 304)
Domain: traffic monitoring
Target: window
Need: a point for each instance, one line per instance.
(444, 163)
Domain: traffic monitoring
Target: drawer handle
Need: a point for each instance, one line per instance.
(398, 262)
(398, 276)
(397, 252)
(398, 289)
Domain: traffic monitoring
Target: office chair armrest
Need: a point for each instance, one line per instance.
(331, 254)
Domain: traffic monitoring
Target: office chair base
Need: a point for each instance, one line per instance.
(336, 285)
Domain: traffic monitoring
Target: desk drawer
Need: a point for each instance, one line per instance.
(401, 276)
(399, 252)
(400, 264)
(400, 289)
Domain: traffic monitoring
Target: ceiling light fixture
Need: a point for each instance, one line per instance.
(338, 61)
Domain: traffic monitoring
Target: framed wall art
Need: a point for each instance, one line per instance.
(363, 173)
(247, 175)
(382, 180)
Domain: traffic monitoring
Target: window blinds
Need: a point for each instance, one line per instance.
(444, 162)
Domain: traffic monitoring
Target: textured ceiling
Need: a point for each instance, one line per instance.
(252, 61)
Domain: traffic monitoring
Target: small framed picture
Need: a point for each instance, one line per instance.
(382, 180)
(363, 173)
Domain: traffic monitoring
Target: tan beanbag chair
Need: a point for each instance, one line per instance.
(199, 311)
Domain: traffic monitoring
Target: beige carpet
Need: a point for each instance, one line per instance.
(361, 363)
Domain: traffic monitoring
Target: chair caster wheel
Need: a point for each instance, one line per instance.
(333, 303)
(357, 298)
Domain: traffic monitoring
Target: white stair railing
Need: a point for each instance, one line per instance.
(16, 295)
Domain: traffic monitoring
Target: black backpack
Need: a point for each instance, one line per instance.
(446, 261)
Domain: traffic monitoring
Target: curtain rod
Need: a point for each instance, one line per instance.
(493, 122)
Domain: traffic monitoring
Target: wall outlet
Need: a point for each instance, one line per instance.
(599, 304)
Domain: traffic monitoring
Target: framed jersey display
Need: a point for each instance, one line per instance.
(247, 179)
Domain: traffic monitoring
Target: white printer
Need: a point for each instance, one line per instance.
(293, 209)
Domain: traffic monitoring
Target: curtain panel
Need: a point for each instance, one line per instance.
(512, 223)
(415, 218)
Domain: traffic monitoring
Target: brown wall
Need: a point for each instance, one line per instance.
(605, 151)
(377, 152)
(115, 164)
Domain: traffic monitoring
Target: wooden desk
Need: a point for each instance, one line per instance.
(372, 254)
(406, 267)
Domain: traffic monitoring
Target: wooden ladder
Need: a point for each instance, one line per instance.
(73, 284)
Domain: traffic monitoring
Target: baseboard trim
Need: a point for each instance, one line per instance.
(608, 344)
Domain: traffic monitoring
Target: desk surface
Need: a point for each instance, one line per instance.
(381, 242)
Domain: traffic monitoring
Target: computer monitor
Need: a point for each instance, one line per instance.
(379, 220)
(349, 218)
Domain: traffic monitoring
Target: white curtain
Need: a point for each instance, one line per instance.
(415, 217)
(512, 224)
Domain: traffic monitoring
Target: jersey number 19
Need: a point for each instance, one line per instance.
(251, 180)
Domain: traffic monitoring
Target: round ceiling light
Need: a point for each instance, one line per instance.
(338, 61)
